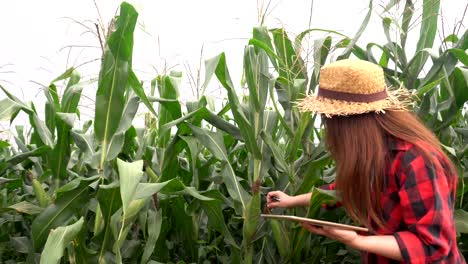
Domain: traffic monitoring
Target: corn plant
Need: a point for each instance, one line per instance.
(189, 186)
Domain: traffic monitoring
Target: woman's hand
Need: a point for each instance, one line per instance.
(347, 237)
(279, 199)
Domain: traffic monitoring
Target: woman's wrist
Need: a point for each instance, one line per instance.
(357, 242)
(293, 202)
(301, 200)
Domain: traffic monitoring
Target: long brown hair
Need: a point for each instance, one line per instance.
(358, 143)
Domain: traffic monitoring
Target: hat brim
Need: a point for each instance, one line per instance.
(397, 100)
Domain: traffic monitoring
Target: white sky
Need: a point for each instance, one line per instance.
(35, 35)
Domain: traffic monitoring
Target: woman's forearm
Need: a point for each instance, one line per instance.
(302, 200)
(385, 245)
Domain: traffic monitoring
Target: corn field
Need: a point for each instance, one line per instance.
(189, 186)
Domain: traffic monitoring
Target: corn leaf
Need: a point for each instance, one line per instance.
(358, 34)
(218, 66)
(26, 208)
(461, 55)
(109, 203)
(24, 106)
(213, 208)
(293, 64)
(117, 141)
(83, 142)
(130, 175)
(194, 148)
(461, 221)
(174, 186)
(140, 92)
(427, 33)
(113, 77)
(154, 229)
(406, 20)
(215, 144)
(168, 87)
(57, 241)
(8, 108)
(459, 79)
(57, 214)
(282, 237)
(43, 131)
(52, 106)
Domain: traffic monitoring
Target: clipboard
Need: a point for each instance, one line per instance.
(315, 222)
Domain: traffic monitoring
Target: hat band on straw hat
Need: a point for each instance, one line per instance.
(352, 97)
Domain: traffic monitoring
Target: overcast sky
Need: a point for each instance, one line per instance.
(36, 36)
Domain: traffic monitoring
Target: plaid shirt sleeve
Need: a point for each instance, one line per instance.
(330, 187)
(426, 196)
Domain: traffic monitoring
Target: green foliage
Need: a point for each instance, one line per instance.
(113, 78)
(190, 185)
(57, 240)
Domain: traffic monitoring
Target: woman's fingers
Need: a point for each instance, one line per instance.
(271, 196)
(273, 199)
(344, 236)
(273, 204)
(313, 229)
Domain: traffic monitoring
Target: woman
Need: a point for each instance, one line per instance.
(392, 175)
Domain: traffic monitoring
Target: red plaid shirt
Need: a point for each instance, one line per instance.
(418, 204)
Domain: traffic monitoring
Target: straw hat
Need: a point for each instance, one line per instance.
(349, 87)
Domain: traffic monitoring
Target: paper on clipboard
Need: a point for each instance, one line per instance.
(315, 222)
